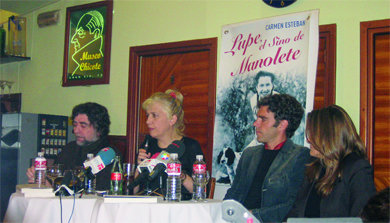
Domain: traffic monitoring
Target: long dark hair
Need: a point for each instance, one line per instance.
(332, 133)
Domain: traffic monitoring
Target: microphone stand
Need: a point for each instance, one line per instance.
(159, 191)
(162, 186)
(147, 190)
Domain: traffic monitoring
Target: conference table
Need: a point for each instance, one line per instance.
(93, 209)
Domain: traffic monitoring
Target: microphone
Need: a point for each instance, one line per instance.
(147, 165)
(146, 146)
(88, 173)
(178, 147)
(150, 164)
(157, 171)
(148, 176)
(151, 168)
(140, 179)
(67, 178)
(104, 157)
(64, 184)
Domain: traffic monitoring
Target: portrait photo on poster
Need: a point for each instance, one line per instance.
(259, 58)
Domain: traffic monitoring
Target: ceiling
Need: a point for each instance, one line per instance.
(24, 6)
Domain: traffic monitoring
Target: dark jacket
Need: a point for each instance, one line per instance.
(187, 159)
(350, 192)
(74, 155)
(280, 185)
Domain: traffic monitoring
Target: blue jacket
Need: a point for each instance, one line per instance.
(281, 183)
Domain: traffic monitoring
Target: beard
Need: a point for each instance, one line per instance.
(85, 142)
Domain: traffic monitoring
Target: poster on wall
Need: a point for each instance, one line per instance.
(87, 44)
(258, 58)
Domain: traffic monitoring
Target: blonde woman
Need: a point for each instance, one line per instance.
(165, 121)
(339, 181)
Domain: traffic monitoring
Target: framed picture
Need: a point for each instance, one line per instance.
(87, 44)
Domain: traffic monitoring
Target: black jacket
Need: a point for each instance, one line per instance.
(74, 155)
(349, 195)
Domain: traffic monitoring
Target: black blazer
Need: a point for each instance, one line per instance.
(349, 195)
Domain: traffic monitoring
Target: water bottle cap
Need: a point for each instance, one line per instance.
(40, 153)
(199, 157)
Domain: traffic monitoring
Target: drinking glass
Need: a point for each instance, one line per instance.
(54, 171)
(77, 171)
(128, 176)
(78, 178)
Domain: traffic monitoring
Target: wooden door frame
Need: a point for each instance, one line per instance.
(367, 32)
(329, 33)
(133, 104)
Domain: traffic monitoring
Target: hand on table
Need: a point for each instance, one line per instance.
(31, 174)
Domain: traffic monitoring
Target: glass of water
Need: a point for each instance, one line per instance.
(128, 177)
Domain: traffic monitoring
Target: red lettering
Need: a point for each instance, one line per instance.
(238, 39)
(240, 44)
(247, 65)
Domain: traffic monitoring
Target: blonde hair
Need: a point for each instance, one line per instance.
(332, 133)
(172, 104)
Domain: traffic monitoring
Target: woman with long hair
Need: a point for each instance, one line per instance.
(339, 181)
(165, 122)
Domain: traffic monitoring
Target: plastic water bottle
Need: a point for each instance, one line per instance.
(116, 177)
(173, 180)
(199, 176)
(40, 170)
(90, 180)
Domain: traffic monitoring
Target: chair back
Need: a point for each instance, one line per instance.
(211, 188)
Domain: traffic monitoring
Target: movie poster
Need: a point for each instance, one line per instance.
(257, 58)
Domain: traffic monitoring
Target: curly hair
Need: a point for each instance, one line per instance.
(284, 107)
(97, 115)
(172, 104)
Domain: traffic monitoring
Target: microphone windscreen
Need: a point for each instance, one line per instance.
(104, 157)
(155, 156)
(147, 164)
(142, 177)
(178, 147)
(158, 169)
(107, 155)
(163, 157)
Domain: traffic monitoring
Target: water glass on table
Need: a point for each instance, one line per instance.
(72, 178)
(128, 177)
(54, 171)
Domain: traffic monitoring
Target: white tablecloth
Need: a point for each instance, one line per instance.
(93, 209)
(42, 210)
